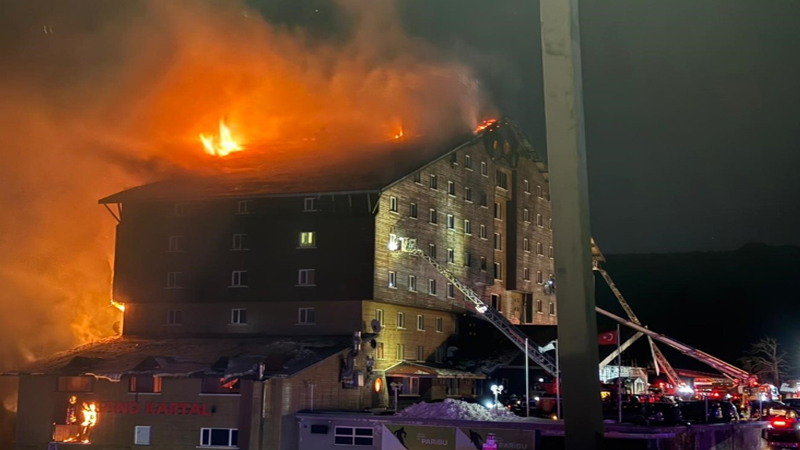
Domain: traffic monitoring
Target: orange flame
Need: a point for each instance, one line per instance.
(399, 135)
(119, 306)
(223, 145)
(484, 125)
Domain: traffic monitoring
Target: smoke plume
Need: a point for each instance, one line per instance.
(98, 96)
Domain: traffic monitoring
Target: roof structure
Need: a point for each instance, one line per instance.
(224, 357)
(407, 368)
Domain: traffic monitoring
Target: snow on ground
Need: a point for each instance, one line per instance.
(457, 410)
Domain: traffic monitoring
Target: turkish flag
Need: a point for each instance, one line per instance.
(607, 338)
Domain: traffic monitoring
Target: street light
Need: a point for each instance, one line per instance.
(395, 387)
(496, 390)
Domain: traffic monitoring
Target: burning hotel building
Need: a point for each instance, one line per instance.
(248, 299)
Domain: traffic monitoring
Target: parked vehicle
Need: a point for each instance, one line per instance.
(718, 412)
(638, 413)
(782, 433)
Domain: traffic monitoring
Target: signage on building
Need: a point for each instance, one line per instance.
(412, 437)
(156, 408)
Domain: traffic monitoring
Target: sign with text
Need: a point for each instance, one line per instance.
(506, 439)
(155, 408)
(413, 437)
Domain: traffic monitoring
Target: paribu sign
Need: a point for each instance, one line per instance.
(155, 408)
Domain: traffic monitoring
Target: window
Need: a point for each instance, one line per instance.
(239, 278)
(498, 273)
(75, 384)
(467, 227)
(451, 256)
(550, 252)
(454, 159)
(219, 437)
(146, 384)
(141, 435)
(174, 317)
(526, 215)
(420, 322)
(175, 244)
(539, 248)
(420, 353)
(433, 216)
(239, 242)
(433, 183)
(468, 194)
(539, 220)
(305, 277)
(438, 355)
(379, 351)
(539, 309)
(451, 290)
(451, 188)
(498, 211)
(483, 263)
(412, 283)
(309, 204)
(526, 186)
(526, 245)
(418, 178)
(432, 286)
(451, 222)
(498, 241)
(539, 192)
(401, 352)
(393, 204)
(179, 209)
(453, 387)
(501, 179)
(392, 280)
(220, 386)
(484, 200)
(552, 309)
(432, 251)
(379, 316)
(244, 207)
(239, 316)
(173, 280)
(468, 162)
(439, 325)
(483, 232)
(526, 274)
(495, 302)
(410, 386)
(413, 211)
(306, 316)
(539, 278)
(467, 259)
(401, 320)
(550, 222)
(484, 169)
(308, 239)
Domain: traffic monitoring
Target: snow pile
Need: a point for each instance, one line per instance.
(457, 410)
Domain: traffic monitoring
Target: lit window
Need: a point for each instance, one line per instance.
(526, 274)
(146, 384)
(468, 194)
(420, 322)
(306, 316)
(451, 188)
(309, 204)
(174, 317)
(498, 273)
(175, 244)
(526, 215)
(451, 222)
(498, 241)
(526, 186)
(392, 279)
(552, 309)
(439, 325)
(433, 216)
(451, 290)
(214, 385)
(420, 353)
(393, 204)
(243, 207)
(483, 232)
(451, 256)
(379, 316)
(239, 278)
(484, 169)
(379, 352)
(467, 227)
(413, 211)
(305, 277)
(308, 239)
(539, 220)
(239, 242)
(432, 286)
(498, 211)
(173, 280)
(433, 182)
(526, 245)
(539, 192)
(539, 249)
(412, 283)
(539, 278)
(432, 251)
(219, 437)
(239, 316)
(401, 320)
(179, 209)
(467, 162)
(401, 352)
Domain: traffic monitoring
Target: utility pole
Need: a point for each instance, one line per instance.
(566, 148)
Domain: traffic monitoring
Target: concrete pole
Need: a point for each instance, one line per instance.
(566, 147)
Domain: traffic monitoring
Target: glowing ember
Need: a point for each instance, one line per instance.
(400, 134)
(484, 125)
(221, 145)
(119, 306)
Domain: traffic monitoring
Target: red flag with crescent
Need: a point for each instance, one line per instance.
(607, 338)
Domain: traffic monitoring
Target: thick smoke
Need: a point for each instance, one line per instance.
(98, 96)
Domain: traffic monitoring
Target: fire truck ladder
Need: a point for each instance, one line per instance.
(513, 333)
(658, 357)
